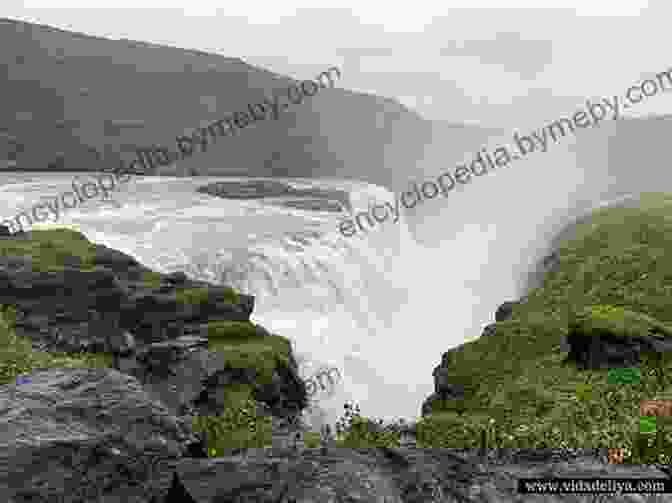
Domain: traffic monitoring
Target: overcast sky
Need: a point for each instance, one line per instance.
(512, 67)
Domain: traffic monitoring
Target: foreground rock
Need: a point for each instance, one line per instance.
(87, 435)
(391, 476)
(96, 436)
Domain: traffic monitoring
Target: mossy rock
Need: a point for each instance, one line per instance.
(238, 427)
(51, 248)
(18, 358)
(600, 319)
(198, 296)
(244, 348)
(151, 279)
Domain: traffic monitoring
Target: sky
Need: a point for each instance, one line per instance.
(520, 64)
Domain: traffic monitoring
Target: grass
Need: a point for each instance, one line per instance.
(18, 358)
(238, 427)
(50, 248)
(244, 348)
(151, 279)
(201, 296)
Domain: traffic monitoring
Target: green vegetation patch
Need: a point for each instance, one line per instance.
(631, 375)
(50, 248)
(239, 427)
(647, 424)
(197, 296)
(614, 274)
(18, 358)
(615, 320)
(244, 348)
(151, 279)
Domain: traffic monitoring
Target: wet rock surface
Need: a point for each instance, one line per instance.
(308, 198)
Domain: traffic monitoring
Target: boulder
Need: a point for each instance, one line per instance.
(602, 336)
(85, 435)
(505, 311)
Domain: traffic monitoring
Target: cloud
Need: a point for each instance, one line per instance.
(525, 57)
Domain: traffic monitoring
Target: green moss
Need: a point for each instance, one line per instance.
(615, 320)
(151, 279)
(201, 296)
(50, 248)
(231, 330)
(17, 356)
(238, 427)
(244, 348)
(312, 439)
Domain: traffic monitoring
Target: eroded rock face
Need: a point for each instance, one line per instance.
(394, 476)
(153, 337)
(85, 434)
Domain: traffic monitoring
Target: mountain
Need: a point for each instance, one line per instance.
(74, 102)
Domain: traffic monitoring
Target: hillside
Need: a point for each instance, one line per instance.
(73, 102)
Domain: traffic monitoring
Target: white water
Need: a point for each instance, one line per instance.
(382, 308)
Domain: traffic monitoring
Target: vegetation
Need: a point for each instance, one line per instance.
(244, 348)
(151, 279)
(18, 358)
(49, 249)
(201, 296)
(239, 427)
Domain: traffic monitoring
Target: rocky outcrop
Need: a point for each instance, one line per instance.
(505, 310)
(393, 476)
(87, 435)
(154, 335)
(306, 198)
(443, 388)
(613, 337)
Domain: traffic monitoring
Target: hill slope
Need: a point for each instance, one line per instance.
(68, 94)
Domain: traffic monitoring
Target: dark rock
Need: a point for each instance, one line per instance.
(178, 493)
(5, 231)
(489, 330)
(304, 198)
(505, 311)
(176, 278)
(615, 338)
(390, 475)
(77, 434)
